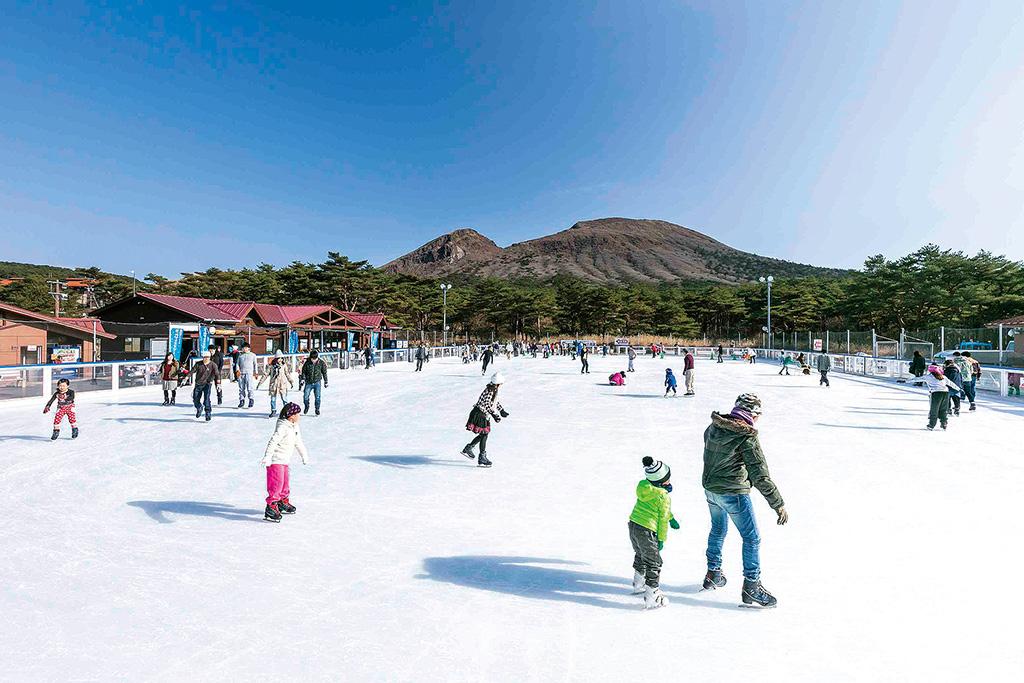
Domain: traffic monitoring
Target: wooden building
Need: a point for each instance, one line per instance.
(30, 338)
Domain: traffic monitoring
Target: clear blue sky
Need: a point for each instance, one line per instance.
(150, 137)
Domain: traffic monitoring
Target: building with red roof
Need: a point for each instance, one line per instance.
(29, 338)
(143, 322)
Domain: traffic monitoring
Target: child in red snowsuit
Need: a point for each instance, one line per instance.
(65, 398)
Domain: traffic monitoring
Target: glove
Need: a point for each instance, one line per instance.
(661, 545)
(504, 413)
(783, 516)
(45, 411)
(673, 523)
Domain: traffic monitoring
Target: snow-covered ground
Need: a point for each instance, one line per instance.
(138, 552)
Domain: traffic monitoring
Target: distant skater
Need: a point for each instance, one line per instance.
(939, 389)
(631, 355)
(824, 363)
(670, 383)
(585, 360)
(688, 367)
(488, 358)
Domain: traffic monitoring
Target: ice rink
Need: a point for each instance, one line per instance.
(139, 552)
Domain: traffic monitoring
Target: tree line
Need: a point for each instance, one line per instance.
(927, 288)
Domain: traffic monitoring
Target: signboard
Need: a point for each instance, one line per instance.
(622, 341)
(818, 345)
(66, 354)
(293, 341)
(204, 339)
(174, 342)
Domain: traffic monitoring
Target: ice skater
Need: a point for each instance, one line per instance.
(312, 377)
(169, 379)
(670, 382)
(648, 530)
(917, 368)
(785, 360)
(484, 410)
(631, 355)
(488, 358)
(952, 372)
(279, 380)
(733, 461)
(618, 379)
(421, 356)
(247, 374)
(721, 354)
(584, 360)
(688, 367)
(939, 389)
(206, 375)
(65, 398)
(824, 363)
(285, 440)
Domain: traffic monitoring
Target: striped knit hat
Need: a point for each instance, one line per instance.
(655, 470)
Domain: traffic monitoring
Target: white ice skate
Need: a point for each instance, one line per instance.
(654, 598)
(639, 583)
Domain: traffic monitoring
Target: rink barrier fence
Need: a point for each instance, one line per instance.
(37, 381)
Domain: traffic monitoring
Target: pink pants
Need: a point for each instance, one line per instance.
(277, 483)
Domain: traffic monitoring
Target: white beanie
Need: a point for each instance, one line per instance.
(206, 354)
(278, 354)
(655, 470)
(497, 378)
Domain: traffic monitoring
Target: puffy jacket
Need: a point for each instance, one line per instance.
(617, 379)
(937, 384)
(670, 380)
(653, 508)
(169, 371)
(963, 365)
(917, 365)
(824, 363)
(279, 378)
(204, 373)
(733, 460)
(283, 443)
(314, 371)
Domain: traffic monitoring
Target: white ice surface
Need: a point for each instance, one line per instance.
(138, 552)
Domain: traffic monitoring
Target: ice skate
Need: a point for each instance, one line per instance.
(755, 596)
(714, 579)
(468, 452)
(199, 413)
(241, 403)
(252, 402)
(272, 413)
(207, 418)
(285, 507)
(271, 514)
(74, 432)
(639, 583)
(56, 433)
(305, 410)
(317, 412)
(654, 598)
(482, 460)
(972, 408)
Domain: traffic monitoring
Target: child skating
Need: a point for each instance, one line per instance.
(648, 529)
(285, 441)
(939, 388)
(479, 422)
(670, 383)
(65, 398)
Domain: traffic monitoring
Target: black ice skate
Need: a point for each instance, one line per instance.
(56, 433)
(241, 403)
(207, 418)
(317, 412)
(973, 407)
(199, 413)
(755, 596)
(74, 432)
(305, 410)
(482, 460)
(468, 452)
(714, 579)
(271, 514)
(252, 402)
(285, 507)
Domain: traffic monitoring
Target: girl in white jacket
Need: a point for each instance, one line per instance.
(938, 386)
(285, 441)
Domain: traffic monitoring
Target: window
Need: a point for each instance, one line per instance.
(133, 344)
(271, 345)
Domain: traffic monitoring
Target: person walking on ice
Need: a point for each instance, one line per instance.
(733, 462)
(314, 373)
(206, 375)
(939, 388)
(488, 357)
(245, 366)
(648, 530)
(824, 364)
(484, 410)
(285, 440)
(65, 398)
(670, 382)
(421, 356)
(279, 380)
(688, 366)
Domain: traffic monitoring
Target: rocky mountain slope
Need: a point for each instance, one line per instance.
(606, 250)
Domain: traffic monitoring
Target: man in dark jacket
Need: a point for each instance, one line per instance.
(824, 365)
(312, 374)
(205, 375)
(733, 461)
(217, 358)
(488, 357)
(421, 355)
(917, 366)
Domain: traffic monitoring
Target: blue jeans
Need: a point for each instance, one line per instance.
(970, 391)
(315, 388)
(741, 510)
(201, 398)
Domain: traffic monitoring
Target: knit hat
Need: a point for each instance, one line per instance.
(278, 354)
(933, 368)
(750, 403)
(655, 470)
(289, 410)
(206, 354)
(497, 378)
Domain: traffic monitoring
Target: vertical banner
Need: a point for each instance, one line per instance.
(374, 340)
(174, 345)
(351, 340)
(293, 341)
(204, 339)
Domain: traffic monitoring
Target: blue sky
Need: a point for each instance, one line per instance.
(164, 137)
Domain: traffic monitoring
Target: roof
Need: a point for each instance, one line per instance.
(80, 325)
(272, 314)
(1015, 321)
(204, 309)
(374, 320)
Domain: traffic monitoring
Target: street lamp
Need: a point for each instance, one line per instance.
(768, 280)
(133, 283)
(444, 314)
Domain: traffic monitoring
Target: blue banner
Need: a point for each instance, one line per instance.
(204, 339)
(375, 340)
(351, 340)
(174, 344)
(293, 341)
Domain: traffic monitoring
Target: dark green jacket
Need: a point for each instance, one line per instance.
(733, 460)
(314, 371)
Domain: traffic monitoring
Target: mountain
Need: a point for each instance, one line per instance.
(607, 250)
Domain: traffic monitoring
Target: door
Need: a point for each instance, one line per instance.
(30, 355)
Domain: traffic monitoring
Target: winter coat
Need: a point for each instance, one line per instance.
(65, 400)
(670, 379)
(824, 363)
(279, 379)
(631, 353)
(314, 371)
(938, 384)
(733, 460)
(954, 376)
(169, 372)
(205, 373)
(917, 365)
(617, 379)
(688, 361)
(488, 404)
(245, 364)
(421, 353)
(975, 369)
(653, 508)
(963, 365)
(283, 443)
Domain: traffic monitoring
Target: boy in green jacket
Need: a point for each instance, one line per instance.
(648, 529)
